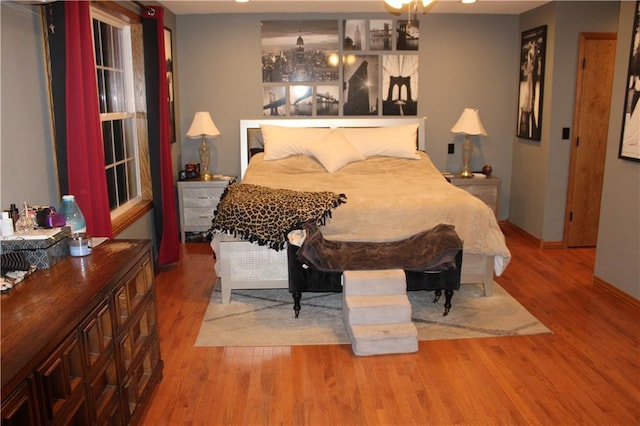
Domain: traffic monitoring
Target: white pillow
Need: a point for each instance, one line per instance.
(282, 142)
(395, 141)
(334, 151)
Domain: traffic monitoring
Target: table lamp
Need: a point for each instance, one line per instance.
(468, 124)
(201, 127)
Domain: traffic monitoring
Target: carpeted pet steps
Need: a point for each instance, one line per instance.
(377, 312)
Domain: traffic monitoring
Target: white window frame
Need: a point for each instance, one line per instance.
(129, 102)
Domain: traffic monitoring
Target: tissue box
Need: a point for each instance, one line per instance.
(42, 248)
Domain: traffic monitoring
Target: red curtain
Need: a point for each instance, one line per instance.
(87, 179)
(169, 248)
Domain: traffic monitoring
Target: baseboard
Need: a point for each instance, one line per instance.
(552, 245)
(507, 227)
(616, 292)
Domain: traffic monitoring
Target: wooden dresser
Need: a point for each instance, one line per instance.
(80, 340)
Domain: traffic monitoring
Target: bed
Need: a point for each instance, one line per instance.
(392, 189)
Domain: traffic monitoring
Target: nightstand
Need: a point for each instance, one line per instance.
(197, 201)
(487, 189)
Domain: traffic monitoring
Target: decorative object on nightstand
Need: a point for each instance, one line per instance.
(197, 202)
(468, 124)
(201, 127)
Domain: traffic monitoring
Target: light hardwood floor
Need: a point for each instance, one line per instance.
(586, 372)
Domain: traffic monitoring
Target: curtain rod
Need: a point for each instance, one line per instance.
(145, 7)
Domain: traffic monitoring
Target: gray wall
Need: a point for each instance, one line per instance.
(27, 165)
(465, 61)
(618, 250)
(541, 169)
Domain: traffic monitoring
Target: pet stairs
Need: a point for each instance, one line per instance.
(377, 312)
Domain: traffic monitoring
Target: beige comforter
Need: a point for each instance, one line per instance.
(388, 199)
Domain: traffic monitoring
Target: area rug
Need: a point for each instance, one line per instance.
(265, 318)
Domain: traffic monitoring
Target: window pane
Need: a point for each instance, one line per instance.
(111, 187)
(107, 139)
(114, 87)
(131, 172)
(117, 49)
(121, 180)
(129, 137)
(118, 141)
(96, 42)
(107, 44)
(102, 91)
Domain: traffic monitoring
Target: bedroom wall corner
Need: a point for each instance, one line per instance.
(541, 168)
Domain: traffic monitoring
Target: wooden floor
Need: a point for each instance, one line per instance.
(586, 372)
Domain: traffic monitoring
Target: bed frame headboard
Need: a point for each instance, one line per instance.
(249, 130)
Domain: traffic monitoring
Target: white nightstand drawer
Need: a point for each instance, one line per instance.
(201, 197)
(197, 201)
(486, 189)
(488, 194)
(198, 216)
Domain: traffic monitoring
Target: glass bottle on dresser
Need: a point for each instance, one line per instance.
(72, 214)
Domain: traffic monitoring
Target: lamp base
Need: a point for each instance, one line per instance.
(467, 151)
(206, 176)
(466, 173)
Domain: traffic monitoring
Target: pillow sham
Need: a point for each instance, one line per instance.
(282, 142)
(394, 141)
(334, 151)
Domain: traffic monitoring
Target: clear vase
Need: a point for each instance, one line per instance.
(72, 214)
(25, 224)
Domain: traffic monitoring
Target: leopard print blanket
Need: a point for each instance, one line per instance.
(265, 215)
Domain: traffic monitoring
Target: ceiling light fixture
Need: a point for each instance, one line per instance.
(413, 4)
(398, 4)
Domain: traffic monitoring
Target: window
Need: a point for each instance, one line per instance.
(114, 69)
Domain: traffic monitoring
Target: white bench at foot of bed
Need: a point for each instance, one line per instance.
(243, 265)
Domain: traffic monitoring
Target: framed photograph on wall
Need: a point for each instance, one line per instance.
(380, 34)
(299, 51)
(301, 100)
(328, 100)
(630, 138)
(168, 54)
(360, 92)
(532, 61)
(407, 35)
(274, 101)
(400, 84)
(354, 34)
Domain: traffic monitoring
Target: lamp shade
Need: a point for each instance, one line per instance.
(469, 123)
(202, 125)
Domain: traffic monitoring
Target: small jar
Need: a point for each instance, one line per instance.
(80, 244)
